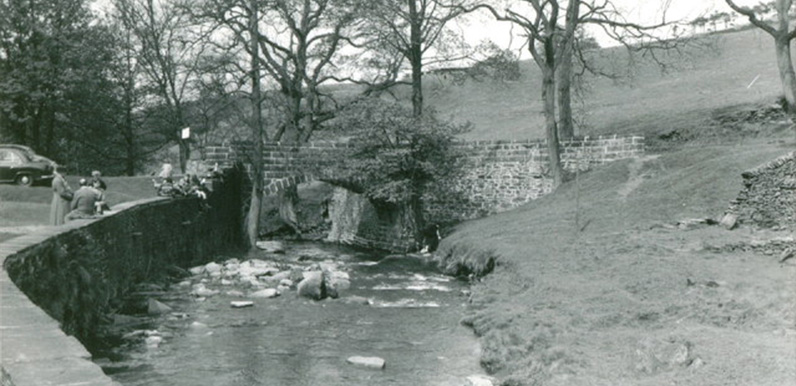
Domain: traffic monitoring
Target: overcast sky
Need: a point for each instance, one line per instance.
(643, 11)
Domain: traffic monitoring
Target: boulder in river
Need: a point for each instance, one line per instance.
(265, 293)
(312, 286)
(335, 282)
(370, 362)
(155, 307)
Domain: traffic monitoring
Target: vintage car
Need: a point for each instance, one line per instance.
(21, 165)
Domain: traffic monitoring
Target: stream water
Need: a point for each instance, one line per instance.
(411, 320)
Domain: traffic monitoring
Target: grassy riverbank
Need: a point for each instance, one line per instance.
(594, 285)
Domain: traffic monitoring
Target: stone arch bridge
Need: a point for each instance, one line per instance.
(502, 174)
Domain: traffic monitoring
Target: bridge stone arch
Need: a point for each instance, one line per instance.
(284, 165)
(500, 176)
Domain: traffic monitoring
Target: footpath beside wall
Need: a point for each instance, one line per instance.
(768, 197)
(60, 281)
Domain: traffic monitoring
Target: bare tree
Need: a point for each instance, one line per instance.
(415, 31)
(167, 55)
(782, 33)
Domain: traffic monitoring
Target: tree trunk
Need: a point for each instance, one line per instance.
(549, 100)
(255, 205)
(416, 59)
(786, 73)
(566, 126)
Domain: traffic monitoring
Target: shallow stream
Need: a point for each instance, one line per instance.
(411, 320)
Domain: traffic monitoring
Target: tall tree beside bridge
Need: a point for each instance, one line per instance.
(292, 47)
(553, 40)
(168, 52)
(780, 30)
(415, 31)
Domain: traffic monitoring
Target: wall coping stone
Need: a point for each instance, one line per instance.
(773, 164)
(33, 349)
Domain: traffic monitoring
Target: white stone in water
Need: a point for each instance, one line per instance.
(201, 291)
(155, 307)
(153, 341)
(370, 362)
(197, 270)
(225, 282)
(479, 380)
(241, 303)
(286, 282)
(184, 283)
(271, 246)
(282, 288)
(212, 267)
(234, 293)
(280, 276)
(265, 293)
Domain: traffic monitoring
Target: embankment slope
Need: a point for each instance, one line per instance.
(594, 287)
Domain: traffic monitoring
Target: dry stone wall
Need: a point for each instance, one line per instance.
(768, 198)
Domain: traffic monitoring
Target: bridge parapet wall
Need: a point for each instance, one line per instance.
(501, 175)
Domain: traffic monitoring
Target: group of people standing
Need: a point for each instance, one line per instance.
(88, 201)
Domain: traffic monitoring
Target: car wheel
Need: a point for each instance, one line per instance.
(24, 180)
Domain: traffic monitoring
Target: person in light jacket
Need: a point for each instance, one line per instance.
(62, 195)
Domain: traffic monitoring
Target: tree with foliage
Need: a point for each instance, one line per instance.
(780, 30)
(55, 95)
(397, 157)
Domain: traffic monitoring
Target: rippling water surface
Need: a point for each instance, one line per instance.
(412, 322)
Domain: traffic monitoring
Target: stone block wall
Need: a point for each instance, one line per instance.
(79, 273)
(768, 197)
(500, 175)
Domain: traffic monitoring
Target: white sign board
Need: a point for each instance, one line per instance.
(185, 133)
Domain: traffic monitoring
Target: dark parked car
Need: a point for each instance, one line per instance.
(21, 165)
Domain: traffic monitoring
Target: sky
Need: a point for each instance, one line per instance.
(482, 27)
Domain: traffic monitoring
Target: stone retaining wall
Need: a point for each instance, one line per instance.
(768, 198)
(76, 273)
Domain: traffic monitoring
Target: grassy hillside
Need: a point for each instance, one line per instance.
(650, 102)
(610, 304)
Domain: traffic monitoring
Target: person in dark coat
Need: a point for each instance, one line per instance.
(84, 202)
(431, 238)
(96, 178)
(62, 195)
